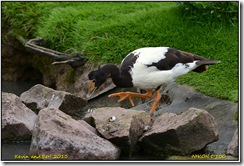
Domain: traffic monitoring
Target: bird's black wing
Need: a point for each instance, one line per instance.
(174, 56)
(127, 63)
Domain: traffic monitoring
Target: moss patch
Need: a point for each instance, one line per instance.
(70, 76)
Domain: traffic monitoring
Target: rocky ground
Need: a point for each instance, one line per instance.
(185, 124)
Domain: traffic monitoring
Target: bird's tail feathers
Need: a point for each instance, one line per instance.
(207, 62)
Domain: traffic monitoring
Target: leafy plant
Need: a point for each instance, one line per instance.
(207, 11)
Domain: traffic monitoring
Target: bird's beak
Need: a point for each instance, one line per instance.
(92, 88)
(91, 85)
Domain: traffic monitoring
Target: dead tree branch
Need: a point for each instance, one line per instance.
(35, 46)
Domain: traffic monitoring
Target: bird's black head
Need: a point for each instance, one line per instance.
(97, 78)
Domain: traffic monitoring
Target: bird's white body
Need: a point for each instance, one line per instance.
(149, 78)
(145, 77)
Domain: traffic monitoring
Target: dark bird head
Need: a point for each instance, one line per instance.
(97, 78)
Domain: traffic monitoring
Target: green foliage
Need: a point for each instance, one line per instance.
(210, 11)
(20, 17)
(108, 31)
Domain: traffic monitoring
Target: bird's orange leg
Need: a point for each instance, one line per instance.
(130, 95)
(155, 103)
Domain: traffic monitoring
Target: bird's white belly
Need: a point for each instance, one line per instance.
(144, 77)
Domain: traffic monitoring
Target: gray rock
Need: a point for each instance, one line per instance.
(39, 97)
(120, 126)
(17, 119)
(88, 126)
(180, 134)
(56, 133)
(234, 145)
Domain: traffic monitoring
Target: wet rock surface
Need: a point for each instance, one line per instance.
(121, 126)
(56, 133)
(39, 97)
(180, 134)
(17, 119)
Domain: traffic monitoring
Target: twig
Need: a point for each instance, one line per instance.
(33, 45)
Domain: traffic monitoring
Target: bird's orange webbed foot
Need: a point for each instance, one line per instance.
(123, 96)
(130, 95)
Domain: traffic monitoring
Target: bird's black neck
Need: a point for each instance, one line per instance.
(120, 80)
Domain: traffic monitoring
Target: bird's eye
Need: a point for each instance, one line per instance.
(93, 81)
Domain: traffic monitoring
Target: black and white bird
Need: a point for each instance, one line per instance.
(148, 68)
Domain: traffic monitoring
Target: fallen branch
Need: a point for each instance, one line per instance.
(33, 45)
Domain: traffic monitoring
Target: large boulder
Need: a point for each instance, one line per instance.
(56, 134)
(88, 126)
(120, 126)
(180, 134)
(39, 97)
(17, 119)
